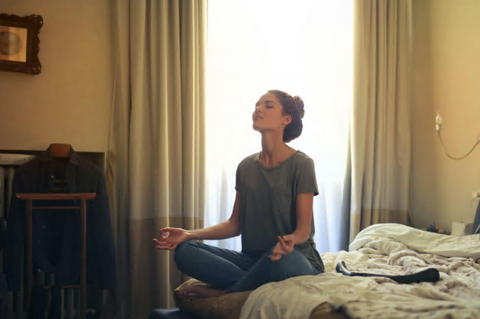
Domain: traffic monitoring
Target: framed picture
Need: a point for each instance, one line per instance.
(19, 43)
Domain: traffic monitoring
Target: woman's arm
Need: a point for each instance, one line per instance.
(286, 243)
(175, 236)
(227, 229)
(304, 210)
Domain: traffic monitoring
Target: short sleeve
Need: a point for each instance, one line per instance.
(306, 180)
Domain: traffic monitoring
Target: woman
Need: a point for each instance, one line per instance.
(272, 212)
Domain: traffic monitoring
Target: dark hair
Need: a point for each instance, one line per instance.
(293, 106)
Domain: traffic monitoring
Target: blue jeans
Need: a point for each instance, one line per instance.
(235, 271)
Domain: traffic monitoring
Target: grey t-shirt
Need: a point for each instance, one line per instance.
(268, 202)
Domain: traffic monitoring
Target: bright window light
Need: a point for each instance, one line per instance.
(303, 47)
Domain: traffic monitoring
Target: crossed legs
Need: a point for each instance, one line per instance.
(230, 271)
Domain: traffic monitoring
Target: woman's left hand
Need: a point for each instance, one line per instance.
(283, 247)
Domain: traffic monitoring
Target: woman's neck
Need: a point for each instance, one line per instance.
(274, 150)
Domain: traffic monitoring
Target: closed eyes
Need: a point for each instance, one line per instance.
(268, 106)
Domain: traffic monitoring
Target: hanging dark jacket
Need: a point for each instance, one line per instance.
(56, 233)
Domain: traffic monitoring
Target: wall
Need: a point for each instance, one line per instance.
(69, 102)
(446, 79)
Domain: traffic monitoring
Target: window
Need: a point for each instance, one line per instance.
(303, 47)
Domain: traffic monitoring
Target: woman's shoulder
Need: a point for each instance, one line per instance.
(249, 159)
(301, 157)
(302, 162)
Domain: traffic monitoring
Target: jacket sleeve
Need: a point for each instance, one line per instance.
(15, 238)
(99, 223)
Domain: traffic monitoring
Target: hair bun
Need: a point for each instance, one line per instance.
(299, 103)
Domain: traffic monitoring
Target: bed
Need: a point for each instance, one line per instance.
(392, 249)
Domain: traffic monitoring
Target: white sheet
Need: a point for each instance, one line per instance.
(388, 249)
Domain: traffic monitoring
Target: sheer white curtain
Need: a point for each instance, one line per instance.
(304, 47)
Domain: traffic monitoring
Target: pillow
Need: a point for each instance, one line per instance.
(223, 307)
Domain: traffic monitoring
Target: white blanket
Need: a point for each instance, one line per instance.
(383, 249)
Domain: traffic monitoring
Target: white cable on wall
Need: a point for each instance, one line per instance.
(438, 127)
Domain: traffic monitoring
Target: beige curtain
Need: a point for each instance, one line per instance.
(156, 159)
(380, 133)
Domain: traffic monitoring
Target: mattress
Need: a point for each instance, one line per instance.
(390, 249)
(230, 306)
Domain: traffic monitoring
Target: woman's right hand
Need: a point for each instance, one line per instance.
(174, 237)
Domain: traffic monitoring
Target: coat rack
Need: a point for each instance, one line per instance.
(83, 197)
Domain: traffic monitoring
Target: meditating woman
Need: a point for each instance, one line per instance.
(273, 212)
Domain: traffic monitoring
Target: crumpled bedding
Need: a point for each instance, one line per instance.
(383, 249)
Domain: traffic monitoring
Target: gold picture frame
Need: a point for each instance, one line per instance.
(19, 43)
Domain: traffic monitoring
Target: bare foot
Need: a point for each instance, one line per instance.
(200, 291)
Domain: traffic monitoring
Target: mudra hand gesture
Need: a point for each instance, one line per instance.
(283, 247)
(174, 237)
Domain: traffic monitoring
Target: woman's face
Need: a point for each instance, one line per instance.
(268, 114)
